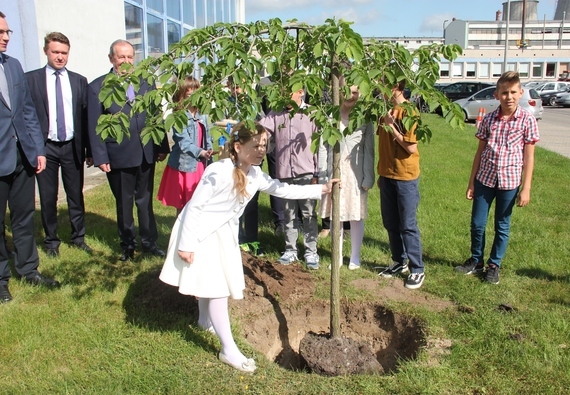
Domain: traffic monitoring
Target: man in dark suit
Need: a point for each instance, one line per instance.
(60, 97)
(130, 164)
(22, 154)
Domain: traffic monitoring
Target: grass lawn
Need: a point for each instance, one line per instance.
(81, 339)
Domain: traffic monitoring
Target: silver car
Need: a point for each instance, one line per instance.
(563, 99)
(484, 99)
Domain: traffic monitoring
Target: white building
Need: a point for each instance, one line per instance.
(538, 50)
(92, 25)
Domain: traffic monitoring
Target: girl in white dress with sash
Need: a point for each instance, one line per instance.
(204, 257)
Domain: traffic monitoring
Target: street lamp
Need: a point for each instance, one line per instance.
(444, 28)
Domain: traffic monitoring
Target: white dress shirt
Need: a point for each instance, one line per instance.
(67, 103)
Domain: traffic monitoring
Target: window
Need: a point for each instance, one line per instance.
(173, 32)
(537, 70)
(458, 69)
(470, 70)
(210, 12)
(155, 5)
(200, 13)
(485, 94)
(134, 29)
(444, 70)
(550, 69)
(173, 9)
(523, 70)
(155, 36)
(497, 70)
(484, 70)
(188, 12)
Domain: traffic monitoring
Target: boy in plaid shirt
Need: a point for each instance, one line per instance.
(504, 158)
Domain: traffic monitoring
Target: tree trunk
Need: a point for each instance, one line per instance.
(336, 246)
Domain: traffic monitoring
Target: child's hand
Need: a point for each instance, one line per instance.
(186, 256)
(389, 118)
(327, 188)
(523, 198)
(469, 193)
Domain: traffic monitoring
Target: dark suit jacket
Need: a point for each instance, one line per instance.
(38, 88)
(20, 123)
(131, 151)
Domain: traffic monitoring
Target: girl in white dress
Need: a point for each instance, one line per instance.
(204, 257)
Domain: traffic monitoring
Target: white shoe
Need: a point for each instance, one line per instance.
(353, 266)
(248, 366)
(288, 258)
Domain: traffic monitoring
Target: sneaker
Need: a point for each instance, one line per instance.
(492, 275)
(353, 266)
(245, 247)
(470, 267)
(312, 261)
(393, 269)
(288, 258)
(415, 280)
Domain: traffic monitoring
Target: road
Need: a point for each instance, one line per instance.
(555, 130)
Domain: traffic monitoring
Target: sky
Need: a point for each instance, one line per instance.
(386, 18)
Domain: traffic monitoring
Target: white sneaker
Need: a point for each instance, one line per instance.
(353, 266)
(312, 261)
(288, 258)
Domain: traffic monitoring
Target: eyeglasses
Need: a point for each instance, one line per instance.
(8, 32)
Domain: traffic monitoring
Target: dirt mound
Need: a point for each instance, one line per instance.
(279, 311)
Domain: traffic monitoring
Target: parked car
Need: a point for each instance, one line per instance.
(550, 87)
(532, 84)
(563, 100)
(463, 89)
(485, 99)
(550, 97)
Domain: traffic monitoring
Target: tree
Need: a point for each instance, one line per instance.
(294, 55)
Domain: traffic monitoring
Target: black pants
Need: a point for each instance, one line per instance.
(134, 185)
(62, 155)
(17, 190)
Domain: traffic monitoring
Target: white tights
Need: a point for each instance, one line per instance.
(215, 311)
(356, 238)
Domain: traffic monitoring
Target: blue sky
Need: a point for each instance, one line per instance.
(386, 18)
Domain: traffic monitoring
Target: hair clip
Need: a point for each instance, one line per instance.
(236, 135)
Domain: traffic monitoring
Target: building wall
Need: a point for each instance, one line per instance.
(91, 26)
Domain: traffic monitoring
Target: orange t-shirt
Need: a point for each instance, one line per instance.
(394, 161)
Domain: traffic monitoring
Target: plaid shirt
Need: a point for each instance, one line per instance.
(502, 159)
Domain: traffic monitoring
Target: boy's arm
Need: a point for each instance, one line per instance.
(389, 120)
(475, 169)
(528, 167)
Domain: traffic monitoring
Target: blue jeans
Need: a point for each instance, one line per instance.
(483, 197)
(399, 202)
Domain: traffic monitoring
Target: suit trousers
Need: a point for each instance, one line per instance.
(17, 190)
(62, 155)
(134, 185)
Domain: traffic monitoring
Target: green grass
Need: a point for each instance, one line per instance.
(96, 335)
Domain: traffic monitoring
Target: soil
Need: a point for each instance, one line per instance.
(279, 316)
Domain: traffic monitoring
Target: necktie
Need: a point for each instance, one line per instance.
(131, 93)
(4, 86)
(60, 114)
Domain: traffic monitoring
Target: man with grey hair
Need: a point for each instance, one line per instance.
(129, 165)
(22, 154)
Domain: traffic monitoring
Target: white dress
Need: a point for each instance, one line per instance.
(208, 226)
(356, 173)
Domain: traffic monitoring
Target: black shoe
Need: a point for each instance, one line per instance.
(415, 280)
(470, 266)
(83, 246)
(52, 252)
(127, 255)
(492, 275)
(5, 296)
(394, 269)
(154, 250)
(38, 279)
